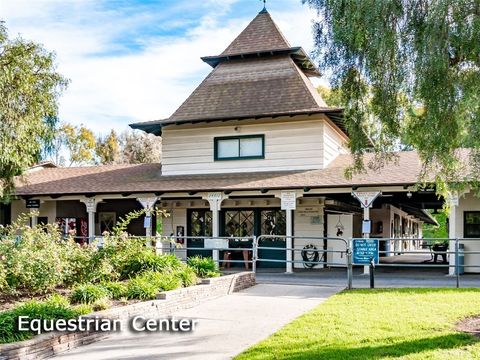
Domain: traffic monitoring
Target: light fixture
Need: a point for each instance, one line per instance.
(409, 195)
(340, 226)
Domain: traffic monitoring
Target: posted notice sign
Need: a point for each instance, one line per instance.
(366, 198)
(288, 200)
(32, 204)
(364, 250)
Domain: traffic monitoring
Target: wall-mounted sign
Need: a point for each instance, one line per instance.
(366, 227)
(215, 244)
(452, 199)
(147, 222)
(366, 198)
(364, 250)
(90, 204)
(288, 200)
(32, 204)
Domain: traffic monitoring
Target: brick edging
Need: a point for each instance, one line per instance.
(47, 345)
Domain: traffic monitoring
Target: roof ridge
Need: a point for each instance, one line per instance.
(317, 99)
(248, 39)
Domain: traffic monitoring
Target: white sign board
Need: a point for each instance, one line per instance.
(215, 244)
(289, 200)
(366, 198)
(91, 205)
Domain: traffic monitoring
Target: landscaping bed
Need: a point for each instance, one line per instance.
(373, 324)
(45, 276)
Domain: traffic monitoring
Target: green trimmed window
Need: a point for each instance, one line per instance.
(471, 224)
(239, 147)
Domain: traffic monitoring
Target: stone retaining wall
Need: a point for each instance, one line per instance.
(47, 345)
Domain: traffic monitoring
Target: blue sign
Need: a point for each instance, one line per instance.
(364, 250)
(147, 222)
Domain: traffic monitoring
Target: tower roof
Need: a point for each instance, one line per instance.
(261, 34)
(258, 75)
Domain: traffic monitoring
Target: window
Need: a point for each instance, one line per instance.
(471, 224)
(239, 147)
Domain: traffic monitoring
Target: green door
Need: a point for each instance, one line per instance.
(199, 224)
(272, 222)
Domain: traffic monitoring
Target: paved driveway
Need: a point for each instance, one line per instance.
(226, 326)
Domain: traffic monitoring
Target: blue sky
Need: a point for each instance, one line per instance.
(138, 60)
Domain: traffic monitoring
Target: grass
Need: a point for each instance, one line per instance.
(366, 324)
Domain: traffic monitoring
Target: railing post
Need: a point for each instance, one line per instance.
(457, 268)
(349, 268)
(254, 255)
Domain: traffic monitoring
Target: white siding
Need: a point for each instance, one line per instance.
(47, 208)
(334, 144)
(467, 203)
(289, 145)
(303, 227)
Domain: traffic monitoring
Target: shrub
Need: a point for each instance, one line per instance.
(83, 309)
(101, 304)
(163, 281)
(51, 309)
(88, 293)
(35, 274)
(204, 266)
(140, 288)
(147, 260)
(116, 289)
(187, 276)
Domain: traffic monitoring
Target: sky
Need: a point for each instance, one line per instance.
(132, 60)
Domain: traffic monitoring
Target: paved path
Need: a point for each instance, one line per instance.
(226, 326)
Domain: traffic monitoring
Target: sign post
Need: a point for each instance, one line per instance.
(366, 199)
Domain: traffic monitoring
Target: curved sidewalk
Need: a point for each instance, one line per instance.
(226, 326)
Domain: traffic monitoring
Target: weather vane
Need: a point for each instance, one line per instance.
(264, 5)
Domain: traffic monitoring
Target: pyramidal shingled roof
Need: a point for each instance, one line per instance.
(260, 35)
(258, 75)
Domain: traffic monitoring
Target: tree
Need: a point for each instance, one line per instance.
(107, 148)
(417, 62)
(332, 97)
(80, 143)
(139, 147)
(29, 90)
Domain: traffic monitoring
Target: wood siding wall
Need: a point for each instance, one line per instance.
(289, 145)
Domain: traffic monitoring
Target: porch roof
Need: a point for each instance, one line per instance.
(143, 178)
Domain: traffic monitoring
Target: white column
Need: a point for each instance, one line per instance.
(289, 242)
(34, 217)
(452, 234)
(91, 205)
(148, 203)
(215, 201)
(288, 202)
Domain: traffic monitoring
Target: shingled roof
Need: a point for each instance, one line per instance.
(148, 178)
(258, 75)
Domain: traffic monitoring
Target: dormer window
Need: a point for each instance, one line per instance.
(239, 147)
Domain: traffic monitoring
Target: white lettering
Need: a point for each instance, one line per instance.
(134, 323)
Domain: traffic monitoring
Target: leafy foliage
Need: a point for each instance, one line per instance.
(108, 148)
(29, 92)
(55, 307)
(409, 75)
(116, 289)
(140, 288)
(204, 266)
(88, 293)
(187, 275)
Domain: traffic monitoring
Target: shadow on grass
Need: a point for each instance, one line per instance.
(316, 351)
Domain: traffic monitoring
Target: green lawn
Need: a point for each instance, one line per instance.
(366, 324)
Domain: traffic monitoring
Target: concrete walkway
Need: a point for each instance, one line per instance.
(226, 326)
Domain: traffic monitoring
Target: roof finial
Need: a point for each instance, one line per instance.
(264, 10)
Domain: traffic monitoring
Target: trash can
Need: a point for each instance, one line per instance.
(461, 259)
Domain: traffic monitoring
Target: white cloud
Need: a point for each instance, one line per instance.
(113, 85)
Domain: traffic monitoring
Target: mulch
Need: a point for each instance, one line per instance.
(470, 325)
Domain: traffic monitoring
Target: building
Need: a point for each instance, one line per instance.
(253, 129)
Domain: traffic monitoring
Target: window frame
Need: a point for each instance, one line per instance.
(239, 157)
(465, 213)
